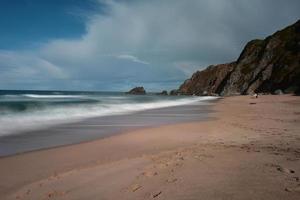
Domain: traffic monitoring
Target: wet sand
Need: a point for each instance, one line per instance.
(250, 151)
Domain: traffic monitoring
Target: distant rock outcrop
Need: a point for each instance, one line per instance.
(137, 91)
(174, 92)
(263, 66)
(164, 92)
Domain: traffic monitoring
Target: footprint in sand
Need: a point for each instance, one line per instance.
(55, 193)
(171, 180)
(149, 173)
(28, 191)
(285, 170)
(293, 189)
(281, 169)
(296, 178)
(156, 194)
(135, 187)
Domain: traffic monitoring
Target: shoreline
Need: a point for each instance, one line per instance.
(96, 128)
(161, 162)
(105, 137)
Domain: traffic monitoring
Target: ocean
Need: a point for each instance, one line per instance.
(31, 120)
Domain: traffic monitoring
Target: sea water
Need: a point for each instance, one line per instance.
(32, 120)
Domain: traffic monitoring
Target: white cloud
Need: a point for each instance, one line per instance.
(133, 59)
(27, 65)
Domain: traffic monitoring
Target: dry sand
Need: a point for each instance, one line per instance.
(250, 151)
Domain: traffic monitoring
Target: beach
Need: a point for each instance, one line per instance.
(248, 149)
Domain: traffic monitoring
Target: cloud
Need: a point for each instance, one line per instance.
(152, 43)
(23, 70)
(25, 65)
(133, 59)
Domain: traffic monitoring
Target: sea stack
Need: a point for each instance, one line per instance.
(164, 92)
(174, 92)
(137, 91)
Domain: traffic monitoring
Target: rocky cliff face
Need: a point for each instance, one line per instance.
(208, 81)
(263, 66)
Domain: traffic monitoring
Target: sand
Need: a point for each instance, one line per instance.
(251, 150)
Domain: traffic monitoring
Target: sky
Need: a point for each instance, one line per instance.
(114, 45)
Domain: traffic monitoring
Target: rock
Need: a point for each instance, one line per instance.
(137, 91)
(164, 92)
(262, 67)
(278, 92)
(206, 82)
(174, 92)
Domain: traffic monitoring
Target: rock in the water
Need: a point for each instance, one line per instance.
(174, 92)
(137, 90)
(164, 92)
(263, 67)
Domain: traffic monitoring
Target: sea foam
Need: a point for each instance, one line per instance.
(44, 115)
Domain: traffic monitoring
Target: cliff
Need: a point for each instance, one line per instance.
(208, 81)
(263, 66)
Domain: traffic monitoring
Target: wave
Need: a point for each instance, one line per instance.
(40, 96)
(50, 96)
(43, 118)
